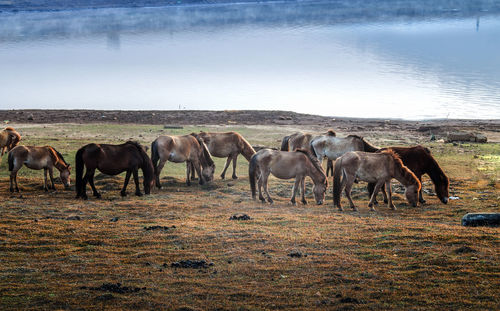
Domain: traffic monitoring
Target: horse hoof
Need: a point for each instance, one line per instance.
(123, 194)
(98, 196)
(293, 203)
(139, 194)
(11, 189)
(235, 177)
(222, 176)
(423, 201)
(386, 201)
(305, 202)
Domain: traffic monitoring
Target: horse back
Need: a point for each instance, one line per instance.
(418, 159)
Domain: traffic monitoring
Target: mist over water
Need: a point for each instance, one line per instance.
(419, 61)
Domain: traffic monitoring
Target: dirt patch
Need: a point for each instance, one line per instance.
(115, 288)
(158, 228)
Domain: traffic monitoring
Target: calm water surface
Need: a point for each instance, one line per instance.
(308, 57)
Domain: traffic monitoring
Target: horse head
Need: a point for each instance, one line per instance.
(411, 194)
(441, 188)
(65, 176)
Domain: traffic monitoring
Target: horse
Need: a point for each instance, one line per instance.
(113, 160)
(301, 140)
(286, 165)
(333, 147)
(420, 161)
(38, 158)
(178, 149)
(9, 138)
(230, 145)
(378, 168)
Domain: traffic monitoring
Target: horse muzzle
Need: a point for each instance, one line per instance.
(319, 202)
(444, 200)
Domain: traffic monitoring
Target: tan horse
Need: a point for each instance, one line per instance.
(286, 165)
(180, 149)
(378, 168)
(9, 138)
(229, 145)
(333, 147)
(301, 140)
(38, 158)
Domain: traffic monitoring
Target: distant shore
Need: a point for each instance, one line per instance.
(249, 117)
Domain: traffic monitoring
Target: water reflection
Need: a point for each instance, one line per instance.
(329, 58)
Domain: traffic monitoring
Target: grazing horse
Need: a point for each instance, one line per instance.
(286, 165)
(37, 158)
(420, 161)
(333, 147)
(9, 138)
(178, 149)
(300, 140)
(378, 168)
(229, 145)
(112, 160)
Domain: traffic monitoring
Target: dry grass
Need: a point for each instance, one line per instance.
(412, 258)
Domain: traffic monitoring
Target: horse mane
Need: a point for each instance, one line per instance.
(367, 147)
(8, 128)
(330, 132)
(405, 171)
(60, 156)
(315, 163)
(206, 157)
(247, 150)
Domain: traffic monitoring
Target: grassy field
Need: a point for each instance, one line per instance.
(60, 253)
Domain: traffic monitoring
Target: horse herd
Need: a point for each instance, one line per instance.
(300, 156)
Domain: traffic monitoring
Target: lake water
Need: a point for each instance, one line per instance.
(425, 59)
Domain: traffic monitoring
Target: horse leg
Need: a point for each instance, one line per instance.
(125, 184)
(329, 167)
(136, 181)
(260, 183)
(228, 161)
(266, 190)
(235, 157)
(189, 165)
(294, 190)
(197, 166)
(51, 175)
(378, 185)
(13, 179)
(303, 190)
(193, 175)
(89, 175)
(384, 193)
(349, 180)
(158, 171)
(45, 187)
(420, 196)
(389, 201)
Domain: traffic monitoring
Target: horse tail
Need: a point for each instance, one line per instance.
(155, 156)
(337, 189)
(247, 149)
(79, 171)
(10, 158)
(252, 173)
(284, 144)
(367, 147)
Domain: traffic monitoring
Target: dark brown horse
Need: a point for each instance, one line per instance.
(301, 140)
(420, 161)
(112, 160)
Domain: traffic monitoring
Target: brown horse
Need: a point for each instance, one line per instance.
(378, 168)
(286, 165)
(229, 145)
(420, 161)
(178, 149)
(300, 140)
(38, 158)
(9, 138)
(112, 160)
